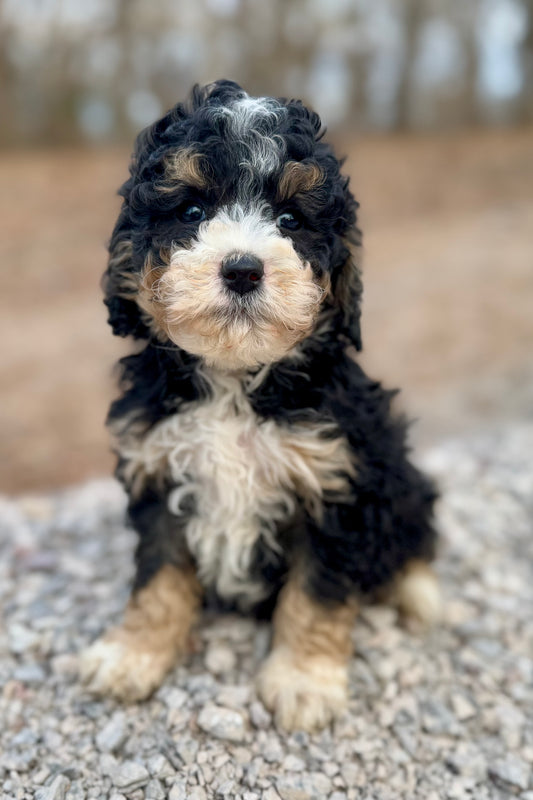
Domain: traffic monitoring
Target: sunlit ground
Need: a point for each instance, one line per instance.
(448, 292)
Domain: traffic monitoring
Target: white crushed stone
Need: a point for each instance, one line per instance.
(224, 723)
(445, 716)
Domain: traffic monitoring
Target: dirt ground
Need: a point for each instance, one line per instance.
(448, 310)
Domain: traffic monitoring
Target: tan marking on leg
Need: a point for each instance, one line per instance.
(131, 660)
(417, 595)
(304, 680)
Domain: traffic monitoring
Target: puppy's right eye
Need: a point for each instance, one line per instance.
(192, 213)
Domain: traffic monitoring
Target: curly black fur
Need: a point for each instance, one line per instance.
(361, 543)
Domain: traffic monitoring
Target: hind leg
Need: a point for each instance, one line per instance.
(417, 595)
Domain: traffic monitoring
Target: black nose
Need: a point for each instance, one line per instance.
(242, 274)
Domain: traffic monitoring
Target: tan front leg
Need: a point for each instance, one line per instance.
(131, 660)
(304, 681)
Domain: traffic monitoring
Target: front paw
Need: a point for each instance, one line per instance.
(120, 665)
(302, 696)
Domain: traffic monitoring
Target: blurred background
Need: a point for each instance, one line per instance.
(430, 100)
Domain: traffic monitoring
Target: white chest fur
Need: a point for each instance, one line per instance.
(244, 474)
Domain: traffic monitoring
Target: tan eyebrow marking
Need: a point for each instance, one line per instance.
(298, 176)
(184, 166)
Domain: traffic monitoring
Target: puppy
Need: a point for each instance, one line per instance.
(263, 467)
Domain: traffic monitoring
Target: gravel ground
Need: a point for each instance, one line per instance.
(449, 715)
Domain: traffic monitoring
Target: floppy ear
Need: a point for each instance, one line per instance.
(346, 286)
(346, 291)
(120, 285)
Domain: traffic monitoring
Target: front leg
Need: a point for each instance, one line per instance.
(305, 678)
(131, 660)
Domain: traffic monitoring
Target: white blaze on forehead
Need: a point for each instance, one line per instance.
(247, 112)
(252, 121)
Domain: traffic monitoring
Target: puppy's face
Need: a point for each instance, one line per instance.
(232, 228)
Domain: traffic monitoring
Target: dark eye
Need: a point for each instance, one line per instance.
(192, 213)
(289, 220)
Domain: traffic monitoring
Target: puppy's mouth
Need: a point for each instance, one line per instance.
(245, 307)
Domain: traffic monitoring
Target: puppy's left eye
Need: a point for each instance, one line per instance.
(289, 220)
(192, 213)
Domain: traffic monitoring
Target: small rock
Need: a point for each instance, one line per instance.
(198, 793)
(226, 788)
(55, 791)
(224, 723)
(76, 791)
(291, 787)
(350, 774)
(130, 775)
(108, 764)
(160, 767)
(308, 786)
(178, 790)
(272, 751)
(233, 696)
(438, 719)
(510, 771)
(154, 790)
(40, 777)
(259, 716)
(219, 658)
(462, 707)
(202, 688)
(65, 665)
(29, 673)
(21, 638)
(25, 738)
(187, 749)
(113, 735)
(173, 697)
(292, 763)
(270, 794)
(468, 761)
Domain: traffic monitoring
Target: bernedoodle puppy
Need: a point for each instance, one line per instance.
(264, 469)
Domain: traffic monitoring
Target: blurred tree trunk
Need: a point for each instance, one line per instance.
(413, 17)
(8, 80)
(526, 104)
(469, 111)
(124, 31)
(466, 20)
